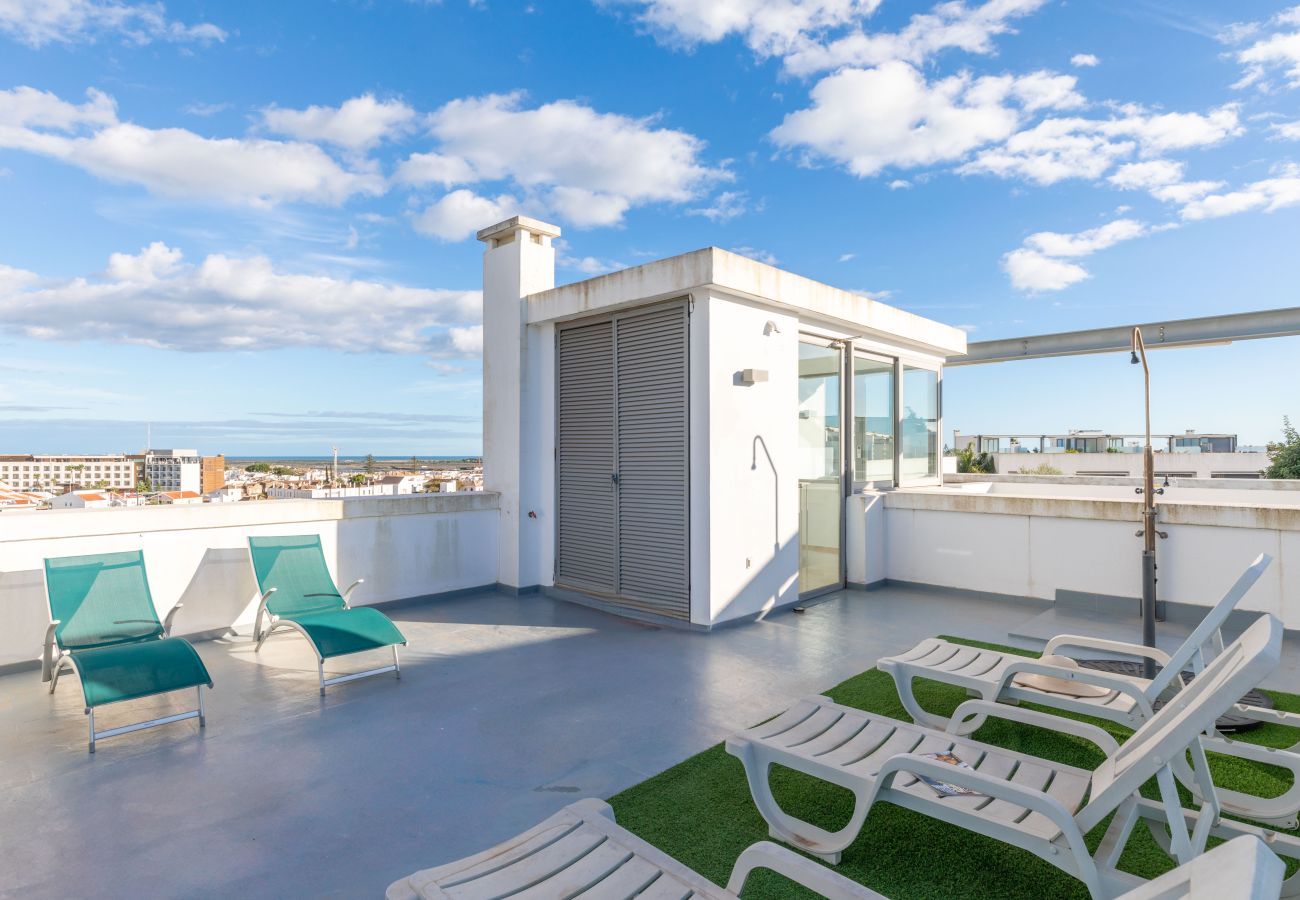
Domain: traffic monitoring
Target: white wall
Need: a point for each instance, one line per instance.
(1203, 465)
(403, 547)
(1033, 546)
(753, 532)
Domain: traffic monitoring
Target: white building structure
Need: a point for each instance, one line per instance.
(82, 500)
(179, 498)
(669, 440)
(174, 470)
(38, 472)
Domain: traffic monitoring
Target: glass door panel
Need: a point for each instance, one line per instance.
(821, 491)
(873, 419)
(919, 428)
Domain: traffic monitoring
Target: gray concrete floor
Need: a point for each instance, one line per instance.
(508, 708)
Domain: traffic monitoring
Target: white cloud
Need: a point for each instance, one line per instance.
(156, 299)
(458, 215)
(1031, 271)
(1276, 49)
(40, 22)
(1084, 60)
(1085, 243)
(870, 119)
(357, 125)
(1269, 195)
(812, 36)
(175, 162)
(952, 25)
(845, 257)
(587, 265)
(588, 167)
(1059, 148)
(1147, 175)
(1287, 131)
(1185, 192)
(725, 207)
(899, 184)
(1042, 263)
(435, 168)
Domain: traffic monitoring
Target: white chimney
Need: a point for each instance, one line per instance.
(518, 260)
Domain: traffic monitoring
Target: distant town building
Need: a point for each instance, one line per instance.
(212, 472)
(14, 499)
(1096, 453)
(82, 500)
(402, 484)
(29, 472)
(179, 498)
(225, 495)
(172, 470)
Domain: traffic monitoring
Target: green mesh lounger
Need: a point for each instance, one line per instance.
(104, 625)
(299, 593)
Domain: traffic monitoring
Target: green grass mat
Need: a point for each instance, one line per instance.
(700, 811)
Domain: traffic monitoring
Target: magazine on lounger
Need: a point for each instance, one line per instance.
(943, 788)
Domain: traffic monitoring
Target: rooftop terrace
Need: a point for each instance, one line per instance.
(508, 709)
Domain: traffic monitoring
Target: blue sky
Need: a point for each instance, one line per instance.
(250, 225)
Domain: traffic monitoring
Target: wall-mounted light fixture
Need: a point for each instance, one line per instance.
(752, 376)
(770, 328)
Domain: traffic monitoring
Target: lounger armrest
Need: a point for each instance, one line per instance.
(261, 611)
(1098, 736)
(47, 654)
(799, 869)
(167, 622)
(347, 595)
(1085, 676)
(997, 788)
(1271, 716)
(1083, 642)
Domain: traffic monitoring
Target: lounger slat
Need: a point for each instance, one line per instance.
(530, 869)
(626, 881)
(667, 888)
(921, 650)
(959, 660)
(836, 736)
(474, 867)
(812, 727)
(580, 876)
(904, 740)
(1028, 775)
(861, 744)
(787, 720)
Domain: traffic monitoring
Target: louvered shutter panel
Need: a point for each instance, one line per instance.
(585, 494)
(653, 454)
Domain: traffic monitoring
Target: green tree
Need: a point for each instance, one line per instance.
(1041, 469)
(144, 486)
(415, 463)
(970, 462)
(369, 464)
(258, 467)
(282, 471)
(100, 485)
(358, 479)
(1284, 457)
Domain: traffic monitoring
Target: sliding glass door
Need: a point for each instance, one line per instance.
(821, 484)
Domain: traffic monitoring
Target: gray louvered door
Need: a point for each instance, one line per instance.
(623, 404)
(585, 540)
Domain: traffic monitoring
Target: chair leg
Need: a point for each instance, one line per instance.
(203, 719)
(54, 680)
(397, 667)
(91, 713)
(903, 681)
(320, 671)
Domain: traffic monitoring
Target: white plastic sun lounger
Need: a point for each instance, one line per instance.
(1239, 869)
(1037, 805)
(580, 851)
(626, 867)
(1127, 700)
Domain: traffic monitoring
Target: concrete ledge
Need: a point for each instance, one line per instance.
(1172, 512)
(39, 525)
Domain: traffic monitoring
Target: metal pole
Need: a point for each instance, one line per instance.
(1148, 490)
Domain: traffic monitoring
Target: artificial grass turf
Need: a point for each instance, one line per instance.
(700, 811)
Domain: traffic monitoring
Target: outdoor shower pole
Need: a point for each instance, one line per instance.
(1148, 491)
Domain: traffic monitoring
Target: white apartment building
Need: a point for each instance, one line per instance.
(174, 470)
(35, 472)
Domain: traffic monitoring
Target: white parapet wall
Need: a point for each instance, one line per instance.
(1034, 544)
(404, 547)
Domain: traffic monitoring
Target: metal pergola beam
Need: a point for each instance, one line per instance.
(1204, 331)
